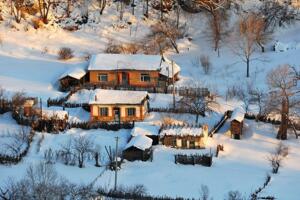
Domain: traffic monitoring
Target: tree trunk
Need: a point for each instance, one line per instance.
(197, 118)
(282, 132)
(248, 66)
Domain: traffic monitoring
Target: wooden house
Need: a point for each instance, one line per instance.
(131, 71)
(138, 148)
(237, 122)
(146, 129)
(185, 137)
(71, 78)
(118, 106)
(28, 108)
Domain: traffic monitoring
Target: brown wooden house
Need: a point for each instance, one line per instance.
(237, 123)
(131, 71)
(71, 78)
(118, 106)
(185, 137)
(138, 148)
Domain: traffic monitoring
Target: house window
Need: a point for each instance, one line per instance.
(103, 112)
(145, 77)
(102, 77)
(131, 112)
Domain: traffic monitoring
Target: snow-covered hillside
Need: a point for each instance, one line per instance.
(29, 63)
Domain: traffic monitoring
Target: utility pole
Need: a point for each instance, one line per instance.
(173, 81)
(116, 163)
(41, 108)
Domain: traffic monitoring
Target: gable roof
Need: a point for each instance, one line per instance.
(108, 97)
(238, 114)
(125, 61)
(133, 62)
(144, 128)
(140, 142)
(76, 73)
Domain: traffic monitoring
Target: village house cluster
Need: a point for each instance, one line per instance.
(119, 86)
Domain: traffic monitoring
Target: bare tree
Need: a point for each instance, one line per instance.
(205, 63)
(285, 91)
(277, 13)
(82, 146)
(102, 5)
(97, 154)
(44, 8)
(246, 38)
(17, 6)
(196, 104)
(167, 32)
(18, 99)
(217, 12)
(204, 193)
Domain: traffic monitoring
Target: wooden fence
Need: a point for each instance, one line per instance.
(175, 110)
(5, 106)
(195, 159)
(7, 159)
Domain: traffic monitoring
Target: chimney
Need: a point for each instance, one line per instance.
(95, 97)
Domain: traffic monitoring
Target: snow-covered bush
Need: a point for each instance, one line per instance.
(65, 53)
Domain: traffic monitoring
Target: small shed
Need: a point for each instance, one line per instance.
(185, 137)
(72, 77)
(28, 106)
(237, 122)
(138, 148)
(146, 129)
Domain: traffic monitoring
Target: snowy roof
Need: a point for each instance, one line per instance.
(143, 128)
(108, 97)
(76, 73)
(185, 131)
(166, 68)
(61, 114)
(141, 142)
(125, 61)
(238, 114)
(133, 62)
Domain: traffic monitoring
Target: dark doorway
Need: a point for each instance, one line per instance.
(117, 114)
(125, 78)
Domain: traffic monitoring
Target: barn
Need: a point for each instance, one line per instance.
(138, 148)
(146, 129)
(237, 122)
(71, 78)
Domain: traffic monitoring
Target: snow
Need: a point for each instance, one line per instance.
(76, 73)
(133, 62)
(60, 114)
(144, 128)
(107, 97)
(141, 142)
(182, 131)
(282, 47)
(238, 114)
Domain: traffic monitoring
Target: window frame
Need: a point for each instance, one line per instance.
(101, 75)
(103, 111)
(131, 114)
(143, 79)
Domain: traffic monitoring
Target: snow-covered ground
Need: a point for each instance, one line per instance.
(28, 62)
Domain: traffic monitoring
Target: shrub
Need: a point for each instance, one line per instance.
(65, 53)
(205, 63)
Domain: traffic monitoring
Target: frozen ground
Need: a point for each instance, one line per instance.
(28, 62)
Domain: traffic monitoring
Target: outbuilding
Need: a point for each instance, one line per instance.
(146, 129)
(71, 78)
(237, 122)
(138, 148)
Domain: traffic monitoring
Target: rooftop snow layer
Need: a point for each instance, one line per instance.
(142, 128)
(125, 61)
(133, 62)
(141, 142)
(61, 114)
(166, 68)
(185, 131)
(76, 73)
(238, 114)
(108, 97)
